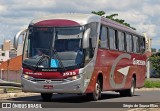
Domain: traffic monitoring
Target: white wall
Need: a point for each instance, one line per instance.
(4, 58)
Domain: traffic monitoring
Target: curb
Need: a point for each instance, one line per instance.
(148, 89)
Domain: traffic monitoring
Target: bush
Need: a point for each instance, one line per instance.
(152, 84)
(155, 60)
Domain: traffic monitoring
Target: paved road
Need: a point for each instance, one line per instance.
(107, 97)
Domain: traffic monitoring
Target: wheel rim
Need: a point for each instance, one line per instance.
(133, 88)
(97, 91)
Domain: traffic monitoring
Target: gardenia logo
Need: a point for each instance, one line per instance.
(138, 62)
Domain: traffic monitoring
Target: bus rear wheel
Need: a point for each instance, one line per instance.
(46, 96)
(129, 92)
(97, 92)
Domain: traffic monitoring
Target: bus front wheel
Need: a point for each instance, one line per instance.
(97, 92)
(46, 96)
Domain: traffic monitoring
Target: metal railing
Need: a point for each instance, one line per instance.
(8, 84)
(11, 84)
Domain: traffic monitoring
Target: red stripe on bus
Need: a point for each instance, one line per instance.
(57, 23)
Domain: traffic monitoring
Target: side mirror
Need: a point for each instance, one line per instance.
(17, 36)
(86, 38)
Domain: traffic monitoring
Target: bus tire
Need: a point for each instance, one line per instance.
(129, 92)
(46, 96)
(96, 95)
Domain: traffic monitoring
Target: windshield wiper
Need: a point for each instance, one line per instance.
(40, 60)
(60, 61)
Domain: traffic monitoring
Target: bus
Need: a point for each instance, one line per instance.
(81, 54)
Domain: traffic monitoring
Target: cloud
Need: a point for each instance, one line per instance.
(150, 9)
(149, 29)
(16, 14)
(3, 9)
(133, 16)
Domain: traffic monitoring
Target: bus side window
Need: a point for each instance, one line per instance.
(135, 44)
(138, 46)
(142, 45)
(116, 40)
(129, 42)
(103, 42)
(121, 41)
(112, 39)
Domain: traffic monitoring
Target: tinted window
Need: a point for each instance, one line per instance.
(135, 44)
(36, 42)
(93, 34)
(129, 42)
(142, 45)
(121, 41)
(112, 39)
(103, 38)
(68, 45)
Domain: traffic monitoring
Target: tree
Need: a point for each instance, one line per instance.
(155, 60)
(153, 49)
(112, 17)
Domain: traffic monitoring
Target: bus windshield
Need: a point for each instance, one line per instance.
(61, 47)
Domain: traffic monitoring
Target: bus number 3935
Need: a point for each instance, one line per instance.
(69, 73)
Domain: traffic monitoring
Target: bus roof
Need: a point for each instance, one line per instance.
(83, 19)
(116, 25)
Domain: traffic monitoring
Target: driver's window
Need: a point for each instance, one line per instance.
(142, 45)
(92, 38)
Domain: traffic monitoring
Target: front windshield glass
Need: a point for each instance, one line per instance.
(68, 45)
(61, 47)
(40, 41)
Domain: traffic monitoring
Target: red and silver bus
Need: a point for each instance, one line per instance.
(81, 54)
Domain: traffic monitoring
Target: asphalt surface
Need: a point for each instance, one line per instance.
(59, 102)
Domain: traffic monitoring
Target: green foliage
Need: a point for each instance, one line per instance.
(155, 60)
(121, 21)
(100, 13)
(153, 49)
(152, 84)
(112, 16)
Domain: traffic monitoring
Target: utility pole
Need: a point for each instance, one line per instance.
(148, 49)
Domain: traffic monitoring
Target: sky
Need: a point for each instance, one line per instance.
(144, 15)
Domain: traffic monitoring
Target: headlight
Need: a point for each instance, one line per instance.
(27, 77)
(73, 77)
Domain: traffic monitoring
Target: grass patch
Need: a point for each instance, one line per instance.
(152, 84)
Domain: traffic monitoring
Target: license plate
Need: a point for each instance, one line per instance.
(48, 86)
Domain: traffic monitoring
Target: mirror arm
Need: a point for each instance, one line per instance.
(16, 37)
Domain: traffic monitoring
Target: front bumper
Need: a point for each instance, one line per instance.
(65, 86)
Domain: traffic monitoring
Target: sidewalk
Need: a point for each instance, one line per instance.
(16, 94)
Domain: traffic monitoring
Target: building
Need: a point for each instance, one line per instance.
(10, 69)
(6, 45)
(4, 56)
(8, 51)
(10, 61)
